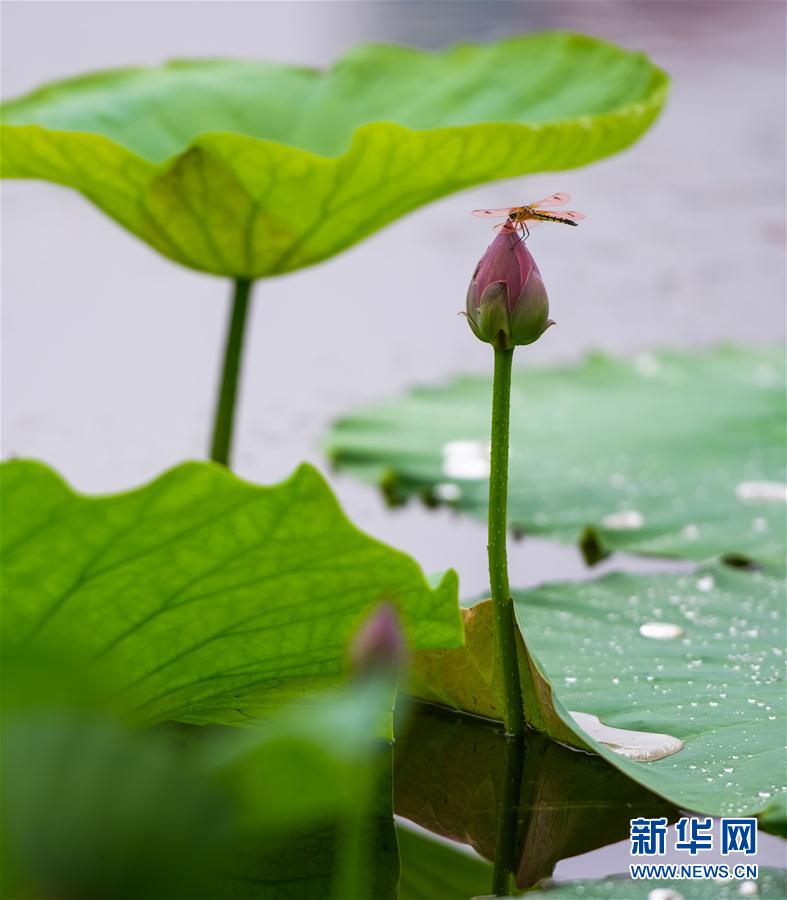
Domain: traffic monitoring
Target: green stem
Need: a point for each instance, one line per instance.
(228, 393)
(505, 625)
(508, 809)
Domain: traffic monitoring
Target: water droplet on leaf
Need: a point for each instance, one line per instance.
(664, 894)
(660, 631)
(466, 459)
(647, 364)
(754, 491)
(447, 492)
(625, 520)
(644, 746)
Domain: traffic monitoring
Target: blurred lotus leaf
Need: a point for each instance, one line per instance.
(249, 168)
(94, 810)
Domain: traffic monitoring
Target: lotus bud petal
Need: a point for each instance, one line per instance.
(379, 645)
(507, 303)
(493, 316)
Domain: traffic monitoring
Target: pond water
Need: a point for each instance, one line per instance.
(110, 352)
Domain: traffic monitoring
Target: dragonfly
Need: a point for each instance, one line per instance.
(523, 218)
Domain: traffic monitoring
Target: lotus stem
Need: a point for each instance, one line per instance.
(508, 812)
(224, 420)
(503, 604)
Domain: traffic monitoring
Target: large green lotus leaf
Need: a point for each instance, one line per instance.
(205, 598)
(249, 169)
(449, 777)
(669, 454)
(695, 657)
(771, 884)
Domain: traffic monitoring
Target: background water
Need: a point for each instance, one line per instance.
(110, 352)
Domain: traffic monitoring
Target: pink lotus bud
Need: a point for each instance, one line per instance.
(379, 645)
(507, 303)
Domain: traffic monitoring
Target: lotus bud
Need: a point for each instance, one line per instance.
(507, 303)
(379, 645)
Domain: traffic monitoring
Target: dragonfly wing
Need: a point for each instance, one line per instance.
(492, 213)
(554, 200)
(567, 215)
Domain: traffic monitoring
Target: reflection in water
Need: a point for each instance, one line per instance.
(453, 775)
(508, 815)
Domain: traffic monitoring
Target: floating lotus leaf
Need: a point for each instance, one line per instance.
(668, 454)
(688, 667)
